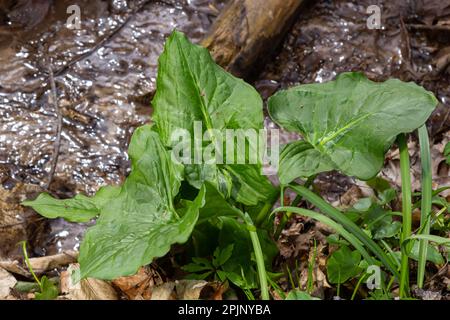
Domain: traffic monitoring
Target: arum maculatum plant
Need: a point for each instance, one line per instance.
(223, 210)
(348, 125)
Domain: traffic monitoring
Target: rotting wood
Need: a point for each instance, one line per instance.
(246, 32)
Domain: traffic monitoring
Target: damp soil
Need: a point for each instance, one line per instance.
(105, 73)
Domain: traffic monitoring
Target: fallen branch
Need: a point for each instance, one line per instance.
(41, 264)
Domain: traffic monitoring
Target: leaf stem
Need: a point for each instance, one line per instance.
(28, 263)
(391, 252)
(391, 282)
(311, 263)
(425, 159)
(258, 256)
(406, 212)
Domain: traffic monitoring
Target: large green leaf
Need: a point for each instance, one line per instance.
(140, 223)
(123, 241)
(300, 159)
(347, 124)
(192, 87)
(78, 209)
(249, 186)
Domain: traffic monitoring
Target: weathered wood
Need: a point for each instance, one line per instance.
(246, 32)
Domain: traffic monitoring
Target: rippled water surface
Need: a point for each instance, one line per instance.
(104, 75)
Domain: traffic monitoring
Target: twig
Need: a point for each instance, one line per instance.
(57, 143)
(99, 45)
(405, 36)
(12, 225)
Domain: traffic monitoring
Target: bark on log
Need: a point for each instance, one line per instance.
(247, 31)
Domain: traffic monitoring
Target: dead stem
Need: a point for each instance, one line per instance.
(102, 42)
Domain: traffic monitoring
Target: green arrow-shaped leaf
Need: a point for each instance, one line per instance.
(347, 124)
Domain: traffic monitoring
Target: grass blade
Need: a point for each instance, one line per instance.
(349, 225)
(332, 224)
(425, 159)
(406, 213)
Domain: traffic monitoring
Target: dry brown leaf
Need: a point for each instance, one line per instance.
(15, 267)
(7, 282)
(14, 218)
(275, 295)
(319, 278)
(350, 197)
(220, 290)
(391, 170)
